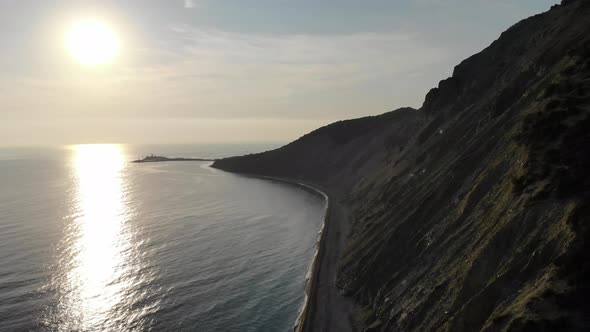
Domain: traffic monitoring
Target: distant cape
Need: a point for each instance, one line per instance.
(155, 159)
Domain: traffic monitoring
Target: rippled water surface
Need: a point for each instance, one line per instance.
(92, 242)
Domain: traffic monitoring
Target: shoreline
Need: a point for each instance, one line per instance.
(302, 320)
(321, 284)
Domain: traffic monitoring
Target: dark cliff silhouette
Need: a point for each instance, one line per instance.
(471, 212)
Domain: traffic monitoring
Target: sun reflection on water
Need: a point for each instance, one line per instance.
(98, 244)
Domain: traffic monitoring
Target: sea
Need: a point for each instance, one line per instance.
(92, 242)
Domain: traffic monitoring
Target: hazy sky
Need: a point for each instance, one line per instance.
(231, 70)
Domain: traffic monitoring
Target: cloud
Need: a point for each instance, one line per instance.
(207, 73)
(344, 58)
(189, 4)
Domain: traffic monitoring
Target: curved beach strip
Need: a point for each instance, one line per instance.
(324, 308)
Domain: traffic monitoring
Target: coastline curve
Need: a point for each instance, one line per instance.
(301, 324)
(324, 308)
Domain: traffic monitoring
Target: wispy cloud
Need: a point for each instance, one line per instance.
(207, 73)
(292, 67)
(189, 4)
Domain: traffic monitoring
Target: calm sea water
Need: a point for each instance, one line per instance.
(91, 242)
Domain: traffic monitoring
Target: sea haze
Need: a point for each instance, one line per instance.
(92, 242)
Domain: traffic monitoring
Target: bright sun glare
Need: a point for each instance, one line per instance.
(92, 42)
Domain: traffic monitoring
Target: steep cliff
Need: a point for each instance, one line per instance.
(469, 213)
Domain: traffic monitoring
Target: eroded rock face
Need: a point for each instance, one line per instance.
(470, 213)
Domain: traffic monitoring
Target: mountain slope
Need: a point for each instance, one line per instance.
(470, 213)
(324, 155)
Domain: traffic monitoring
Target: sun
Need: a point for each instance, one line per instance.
(92, 42)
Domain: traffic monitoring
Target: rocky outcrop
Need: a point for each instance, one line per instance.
(471, 212)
